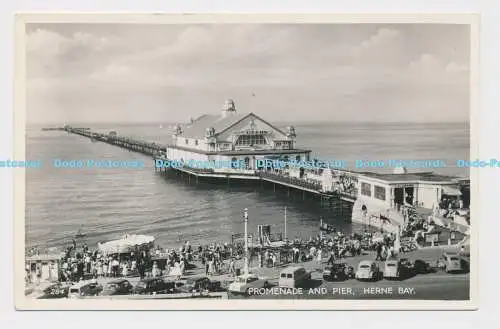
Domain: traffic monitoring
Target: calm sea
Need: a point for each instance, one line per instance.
(111, 202)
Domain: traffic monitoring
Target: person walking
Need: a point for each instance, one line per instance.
(379, 252)
(232, 270)
(331, 259)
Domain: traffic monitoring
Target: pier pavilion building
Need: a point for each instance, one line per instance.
(233, 136)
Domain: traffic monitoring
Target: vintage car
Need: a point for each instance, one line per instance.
(152, 286)
(451, 263)
(338, 272)
(200, 284)
(293, 277)
(56, 290)
(398, 269)
(84, 289)
(117, 287)
(422, 267)
(243, 282)
(368, 270)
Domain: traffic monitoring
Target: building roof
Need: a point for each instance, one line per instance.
(197, 128)
(411, 177)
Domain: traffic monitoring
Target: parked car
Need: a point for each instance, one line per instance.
(451, 262)
(293, 277)
(338, 272)
(84, 289)
(200, 284)
(243, 282)
(398, 269)
(117, 287)
(56, 290)
(150, 286)
(368, 270)
(422, 267)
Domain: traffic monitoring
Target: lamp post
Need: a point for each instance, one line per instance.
(285, 227)
(245, 269)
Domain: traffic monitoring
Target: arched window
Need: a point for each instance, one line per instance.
(234, 163)
(297, 158)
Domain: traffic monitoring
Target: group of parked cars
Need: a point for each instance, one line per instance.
(147, 286)
(394, 269)
(367, 270)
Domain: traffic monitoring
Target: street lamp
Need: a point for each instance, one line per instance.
(245, 269)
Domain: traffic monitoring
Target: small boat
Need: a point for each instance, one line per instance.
(80, 234)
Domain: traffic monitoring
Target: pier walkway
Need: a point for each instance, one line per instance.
(112, 138)
(158, 151)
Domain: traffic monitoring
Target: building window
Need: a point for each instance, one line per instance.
(297, 158)
(250, 140)
(366, 189)
(379, 192)
(196, 142)
(247, 163)
(187, 141)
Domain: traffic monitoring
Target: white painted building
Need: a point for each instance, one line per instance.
(233, 136)
(384, 194)
(418, 189)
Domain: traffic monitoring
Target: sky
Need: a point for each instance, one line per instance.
(289, 72)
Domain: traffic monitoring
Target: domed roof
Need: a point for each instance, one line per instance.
(400, 170)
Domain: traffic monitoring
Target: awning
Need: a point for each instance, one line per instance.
(452, 191)
(126, 244)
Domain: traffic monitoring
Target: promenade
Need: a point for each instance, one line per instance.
(438, 285)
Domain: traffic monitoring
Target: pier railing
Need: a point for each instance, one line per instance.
(292, 181)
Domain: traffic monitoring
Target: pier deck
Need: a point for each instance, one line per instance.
(158, 151)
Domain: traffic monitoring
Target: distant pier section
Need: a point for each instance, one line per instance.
(249, 141)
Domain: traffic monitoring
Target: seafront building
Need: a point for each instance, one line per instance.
(421, 189)
(386, 195)
(234, 137)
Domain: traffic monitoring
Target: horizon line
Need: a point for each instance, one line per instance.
(318, 121)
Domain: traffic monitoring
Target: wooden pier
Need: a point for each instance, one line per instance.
(340, 203)
(112, 138)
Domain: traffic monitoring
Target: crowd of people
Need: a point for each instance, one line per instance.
(81, 262)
